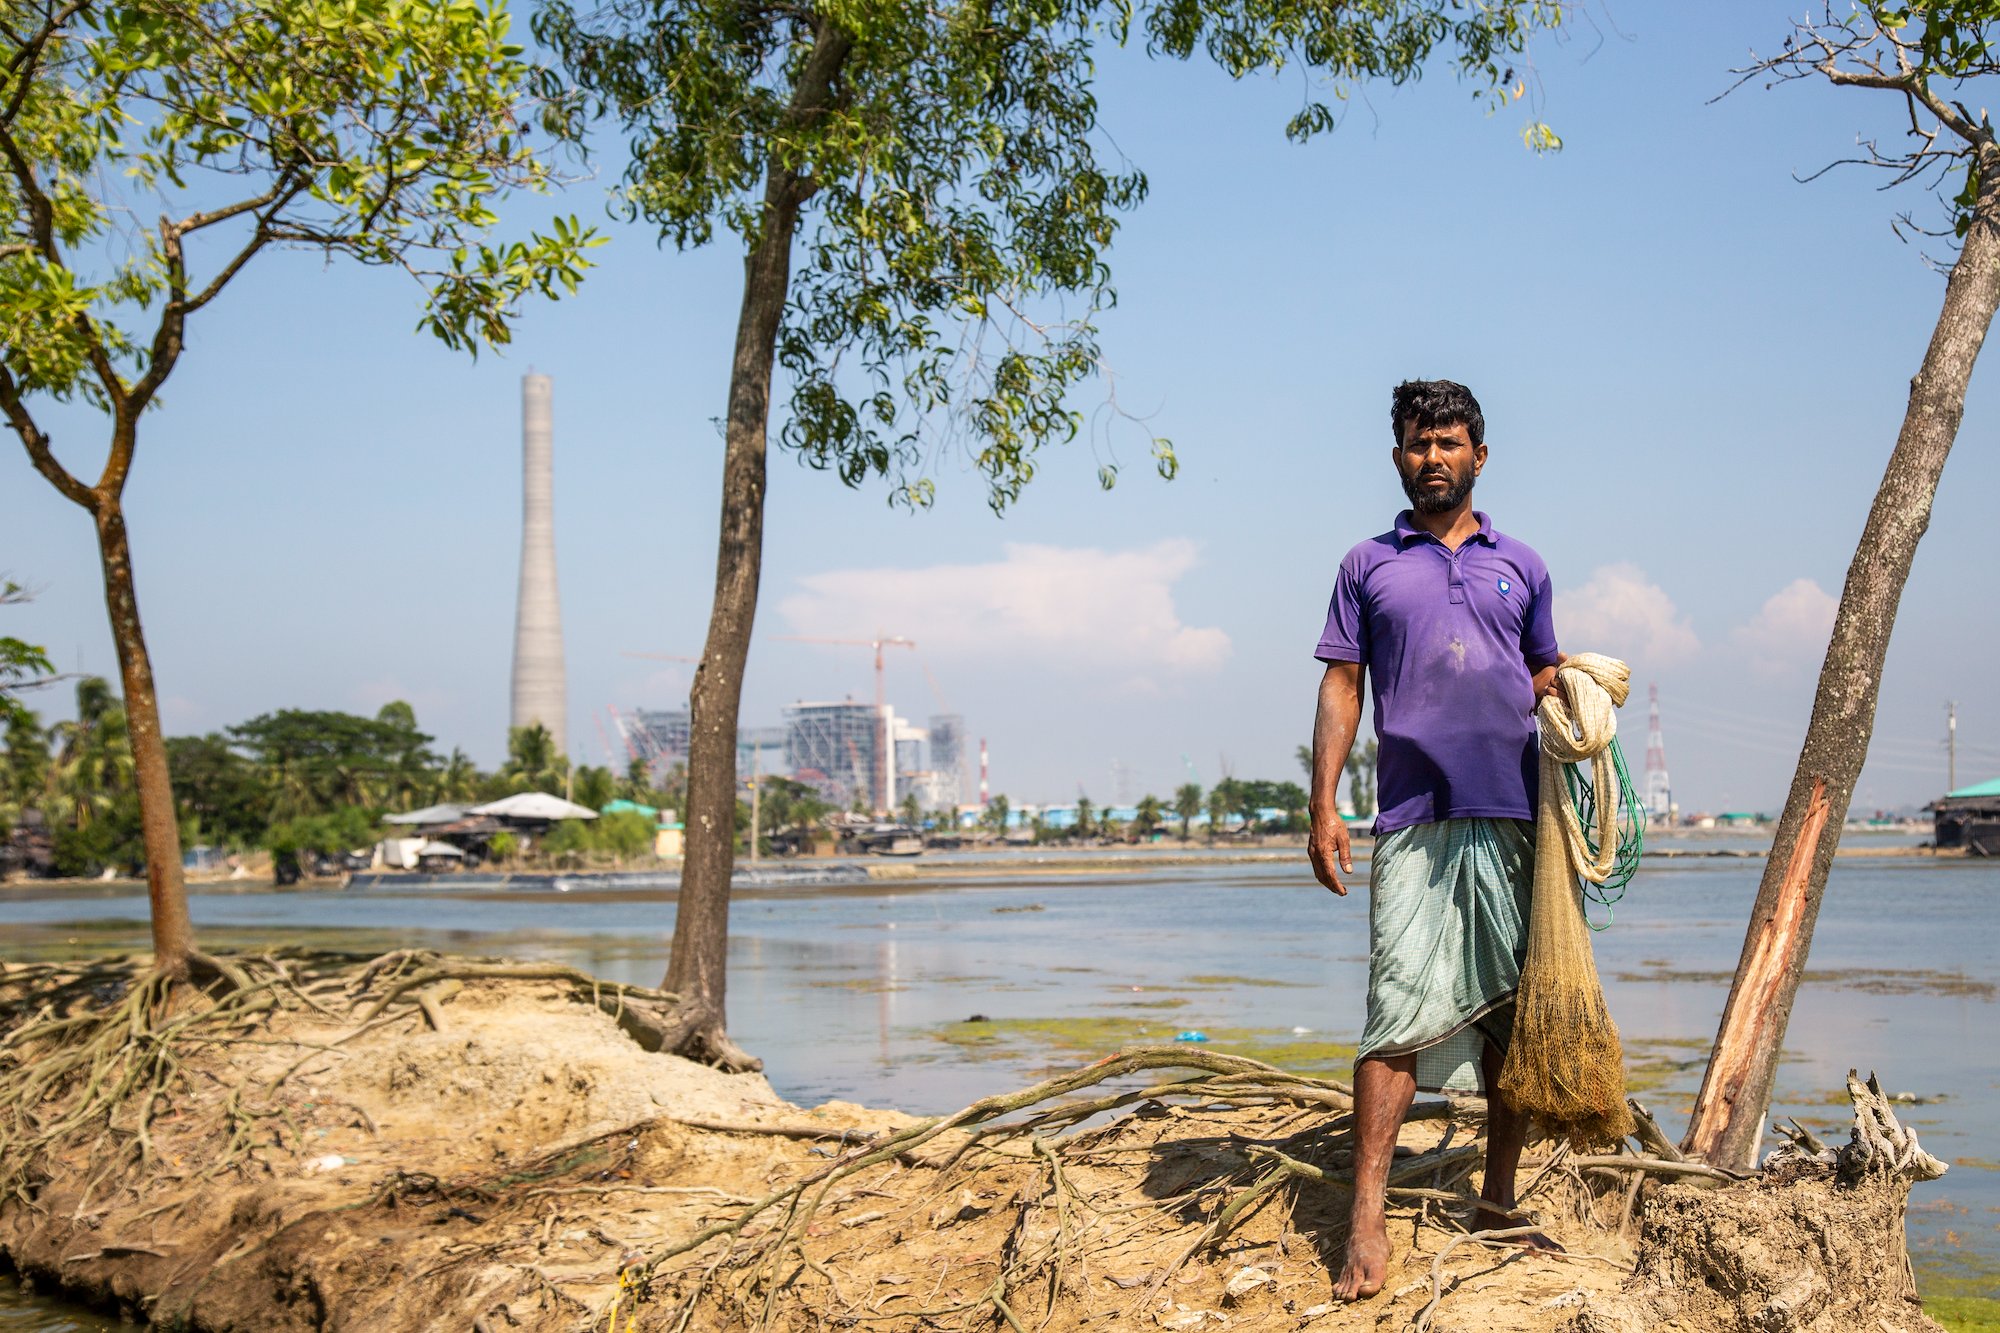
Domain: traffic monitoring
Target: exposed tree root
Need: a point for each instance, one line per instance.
(775, 1262)
(96, 1051)
(646, 1015)
(1814, 1244)
(100, 1055)
(692, 1028)
(753, 1260)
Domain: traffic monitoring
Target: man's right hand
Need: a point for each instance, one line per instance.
(1327, 844)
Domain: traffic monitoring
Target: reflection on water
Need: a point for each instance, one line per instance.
(20, 1313)
(863, 994)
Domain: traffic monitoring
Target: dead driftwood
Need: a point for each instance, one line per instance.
(1814, 1244)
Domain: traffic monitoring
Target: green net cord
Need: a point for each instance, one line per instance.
(1631, 830)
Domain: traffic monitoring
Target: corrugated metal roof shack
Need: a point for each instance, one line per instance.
(1970, 818)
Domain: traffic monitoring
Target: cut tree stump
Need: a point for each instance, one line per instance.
(1813, 1244)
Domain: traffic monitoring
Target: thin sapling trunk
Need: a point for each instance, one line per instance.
(697, 968)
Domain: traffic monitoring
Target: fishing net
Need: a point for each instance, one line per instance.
(1565, 1065)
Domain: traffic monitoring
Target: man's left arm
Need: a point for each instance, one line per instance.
(1538, 640)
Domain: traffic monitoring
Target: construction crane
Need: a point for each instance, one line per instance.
(879, 795)
(937, 692)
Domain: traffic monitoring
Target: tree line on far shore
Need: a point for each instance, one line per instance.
(294, 782)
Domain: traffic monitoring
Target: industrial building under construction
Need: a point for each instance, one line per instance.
(851, 751)
(848, 751)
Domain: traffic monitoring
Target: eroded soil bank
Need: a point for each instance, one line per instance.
(334, 1147)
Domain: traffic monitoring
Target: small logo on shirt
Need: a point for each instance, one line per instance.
(1505, 586)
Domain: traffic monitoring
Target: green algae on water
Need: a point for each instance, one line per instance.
(1869, 980)
(1958, 1293)
(1650, 1064)
(1067, 1040)
(1965, 1314)
(1654, 1064)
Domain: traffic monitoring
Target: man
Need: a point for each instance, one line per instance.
(1449, 621)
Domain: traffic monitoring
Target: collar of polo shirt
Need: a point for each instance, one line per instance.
(1407, 531)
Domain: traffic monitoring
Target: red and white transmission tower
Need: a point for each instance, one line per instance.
(1659, 790)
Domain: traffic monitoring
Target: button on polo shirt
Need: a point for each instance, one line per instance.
(1450, 641)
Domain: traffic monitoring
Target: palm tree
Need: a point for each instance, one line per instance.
(913, 813)
(1305, 754)
(595, 786)
(995, 815)
(1187, 804)
(459, 779)
(532, 761)
(1221, 800)
(1146, 816)
(1083, 809)
(92, 764)
(638, 781)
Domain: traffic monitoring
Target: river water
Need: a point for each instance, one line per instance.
(866, 994)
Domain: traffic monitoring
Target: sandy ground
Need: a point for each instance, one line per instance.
(518, 1168)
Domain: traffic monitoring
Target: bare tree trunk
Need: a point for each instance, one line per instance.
(173, 933)
(1736, 1091)
(697, 968)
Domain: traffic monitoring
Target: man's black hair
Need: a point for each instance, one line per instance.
(1436, 403)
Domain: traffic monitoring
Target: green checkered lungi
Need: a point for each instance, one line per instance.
(1447, 930)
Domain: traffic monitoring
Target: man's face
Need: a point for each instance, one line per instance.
(1438, 465)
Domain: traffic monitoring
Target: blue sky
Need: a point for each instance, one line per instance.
(1692, 366)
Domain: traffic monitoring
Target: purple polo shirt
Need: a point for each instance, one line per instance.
(1450, 641)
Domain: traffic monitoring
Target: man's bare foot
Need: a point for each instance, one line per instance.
(1367, 1259)
(1487, 1220)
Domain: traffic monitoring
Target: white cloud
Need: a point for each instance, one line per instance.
(1790, 632)
(1058, 606)
(1623, 613)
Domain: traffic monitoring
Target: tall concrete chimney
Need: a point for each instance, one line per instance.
(540, 689)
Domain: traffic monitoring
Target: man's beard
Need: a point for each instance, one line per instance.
(1437, 502)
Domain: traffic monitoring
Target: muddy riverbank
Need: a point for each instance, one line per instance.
(427, 1142)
